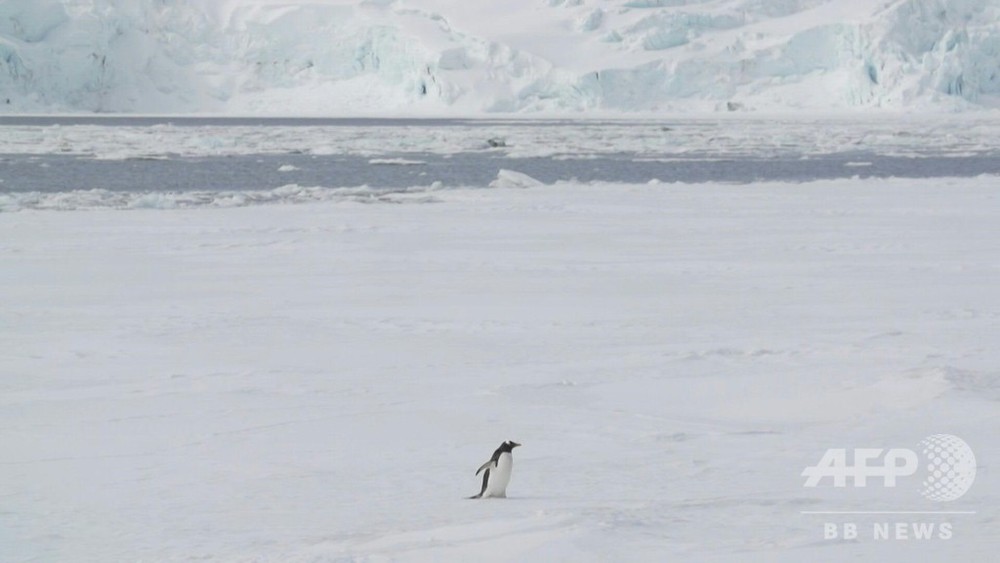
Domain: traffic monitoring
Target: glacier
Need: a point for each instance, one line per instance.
(444, 57)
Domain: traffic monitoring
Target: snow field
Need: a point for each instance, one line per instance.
(318, 382)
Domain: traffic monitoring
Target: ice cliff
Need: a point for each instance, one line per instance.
(382, 57)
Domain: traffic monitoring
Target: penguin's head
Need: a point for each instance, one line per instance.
(510, 445)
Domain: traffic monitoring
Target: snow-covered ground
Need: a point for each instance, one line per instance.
(456, 57)
(319, 382)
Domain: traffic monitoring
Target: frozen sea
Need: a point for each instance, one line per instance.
(264, 340)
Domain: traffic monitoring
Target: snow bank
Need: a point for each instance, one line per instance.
(349, 57)
(75, 200)
(512, 179)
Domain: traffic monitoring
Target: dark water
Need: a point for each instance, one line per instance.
(61, 172)
(57, 173)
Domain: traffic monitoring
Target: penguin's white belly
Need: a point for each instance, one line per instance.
(500, 477)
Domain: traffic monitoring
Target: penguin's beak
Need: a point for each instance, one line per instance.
(514, 444)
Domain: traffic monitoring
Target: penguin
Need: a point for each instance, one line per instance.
(498, 470)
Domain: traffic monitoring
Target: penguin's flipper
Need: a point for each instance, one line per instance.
(487, 465)
(486, 479)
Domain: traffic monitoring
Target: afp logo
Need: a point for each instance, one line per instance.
(949, 467)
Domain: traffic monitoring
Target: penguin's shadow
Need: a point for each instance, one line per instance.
(513, 498)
